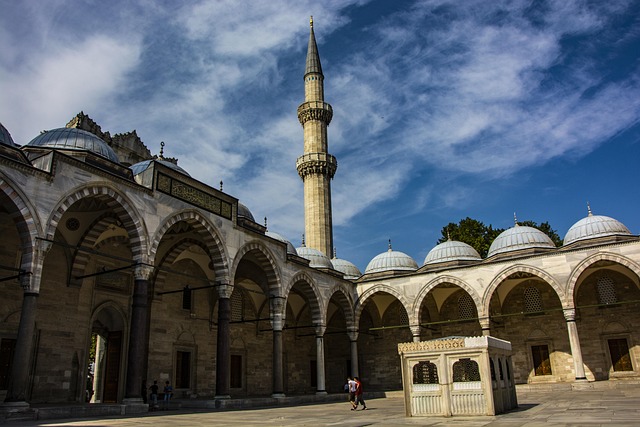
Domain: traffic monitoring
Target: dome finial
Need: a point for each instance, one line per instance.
(589, 209)
(448, 236)
(220, 185)
(335, 253)
(303, 240)
(515, 219)
(311, 21)
(161, 150)
(265, 223)
(390, 246)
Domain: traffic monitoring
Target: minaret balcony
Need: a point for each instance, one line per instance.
(315, 110)
(316, 164)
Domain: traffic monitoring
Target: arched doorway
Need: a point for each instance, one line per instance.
(105, 356)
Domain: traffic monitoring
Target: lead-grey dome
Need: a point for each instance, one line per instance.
(595, 226)
(451, 250)
(316, 258)
(347, 268)
(5, 137)
(290, 248)
(391, 261)
(142, 166)
(519, 237)
(244, 212)
(74, 139)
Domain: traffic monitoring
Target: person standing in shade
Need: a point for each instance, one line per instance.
(168, 393)
(359, 391)
(351, 388)
(153, 395)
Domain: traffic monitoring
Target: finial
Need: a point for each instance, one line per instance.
(515, 219)
(335, 253)
(311, 21)
(220, 185)
(390, 245)
(589, 209)
(161, 150)
(303, 240)
(265, 222)
(448, 236)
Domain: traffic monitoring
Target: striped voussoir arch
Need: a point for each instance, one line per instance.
(266, 262)
(344, 298)
(161, 272)
(417, 304)
(305, 285)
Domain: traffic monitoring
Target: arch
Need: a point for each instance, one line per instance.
(589, 261)
(266, 262)
(169, 257)
(317, 306)
(206, 230)
(519, 268)
(121, 207)
(369, 293)
(345, 299)
(25, 217)
(417, 304)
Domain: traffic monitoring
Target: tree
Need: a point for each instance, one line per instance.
(480, 236)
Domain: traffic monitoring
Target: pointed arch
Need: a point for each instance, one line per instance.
(519, 268)
(310, 291)
(417, 304)
(345, 299)
(588, 262)
(160, 274)
(266, 262)
(369, 293)
(207, 232)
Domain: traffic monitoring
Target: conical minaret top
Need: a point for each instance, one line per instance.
(316, 166)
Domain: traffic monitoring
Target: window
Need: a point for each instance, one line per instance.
(466, 307)
(236, 371)
(606, 290)
(541, 361)
(425, 373)
(619, 352)
(532, 300)
(465, 370)
(183, 369)
(186, 298)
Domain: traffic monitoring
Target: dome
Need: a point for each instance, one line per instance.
(244, 212)
(316, 258)
(519, 237)
(594, 226)
(452, 250)
(290, 248)
(391, 261)
(348, 269)
(140, 167)
(5, 137)
(74, 139)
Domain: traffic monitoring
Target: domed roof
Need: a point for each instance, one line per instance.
(244, 212)
(594, 226)
(142, 166)
(519, 237)
(348, 269)
(5, 137)
(316, 258)
(391, 261)
(290, 248)
(452, 250)
(74, 139)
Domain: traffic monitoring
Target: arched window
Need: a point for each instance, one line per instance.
(466, 307)
(606, 290)
(425, 372)
(532, 300)
(466, 370)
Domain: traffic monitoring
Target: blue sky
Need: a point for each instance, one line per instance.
(442, 109)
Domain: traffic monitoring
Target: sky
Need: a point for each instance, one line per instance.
(443, 109)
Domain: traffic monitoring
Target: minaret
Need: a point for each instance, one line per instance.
(316, 166)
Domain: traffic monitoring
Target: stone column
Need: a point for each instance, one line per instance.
(138, 333)
(574, 342)
(277, 323)
(30, 283)
(353, 339)
(415, 332)
(320, 375)
(485, 324)
(98, 370)
(223, 350)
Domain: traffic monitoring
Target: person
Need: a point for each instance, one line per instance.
(351, 388)
(168, 393)
(154, 395)
(358, 394)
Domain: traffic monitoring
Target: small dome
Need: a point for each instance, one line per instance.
(519, 237)
(391, 261)
(316, 258)
(74, 139)
(244, 212)
(290, 248)
(5, 137)
(348, 269)
(594, 226)
(452, 250)
(142, 166)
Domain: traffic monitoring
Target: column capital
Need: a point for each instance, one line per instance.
(143, 271)
(353, 334)
(320, 330)
(224, 289)
(569, 314)
(415, 330)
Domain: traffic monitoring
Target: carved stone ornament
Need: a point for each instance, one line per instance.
(431, 345)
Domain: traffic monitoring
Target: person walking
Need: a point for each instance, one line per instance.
(168, 394)
(358, 394)
(153, 404)
(351, 388)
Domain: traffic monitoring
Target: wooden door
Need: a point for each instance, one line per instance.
(112, 367)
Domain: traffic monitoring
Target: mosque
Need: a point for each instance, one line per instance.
(119, 268)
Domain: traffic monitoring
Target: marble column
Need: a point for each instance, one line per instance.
(353, 339)
(415, 332)
(138, 333)
(485, 324)
(223, 349)
(320, 374)
(574, 342)
(277, 306)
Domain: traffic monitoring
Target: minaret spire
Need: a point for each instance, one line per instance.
(316, 166)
